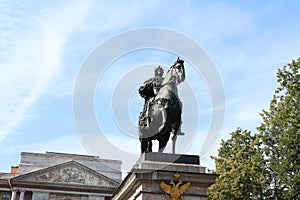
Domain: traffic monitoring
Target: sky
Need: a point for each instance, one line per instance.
(45, 45)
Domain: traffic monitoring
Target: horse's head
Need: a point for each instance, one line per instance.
(178, 70)
(176, 73)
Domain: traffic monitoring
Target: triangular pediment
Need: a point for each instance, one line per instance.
(69, 173)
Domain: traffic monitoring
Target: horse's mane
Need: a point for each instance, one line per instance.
(168, 75)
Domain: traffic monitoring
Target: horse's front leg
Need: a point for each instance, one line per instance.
(176, 127)
(144, 145)
(174, 138)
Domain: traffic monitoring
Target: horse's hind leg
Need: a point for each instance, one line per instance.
(149, 146)
(144, 145)
(163, 141)
(162, 146)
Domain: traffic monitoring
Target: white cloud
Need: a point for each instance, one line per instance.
(32, 59)
(32, 56)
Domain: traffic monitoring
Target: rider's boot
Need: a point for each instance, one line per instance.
(179, 132)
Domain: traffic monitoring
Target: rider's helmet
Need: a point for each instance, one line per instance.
(159, 71)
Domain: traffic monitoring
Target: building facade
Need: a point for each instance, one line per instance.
(60, 176)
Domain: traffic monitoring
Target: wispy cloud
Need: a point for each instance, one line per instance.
(34, 43)
(32, 59)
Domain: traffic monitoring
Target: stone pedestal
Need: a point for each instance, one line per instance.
(156, 175)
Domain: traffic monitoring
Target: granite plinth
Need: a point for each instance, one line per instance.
(170, 162)
(171, 158)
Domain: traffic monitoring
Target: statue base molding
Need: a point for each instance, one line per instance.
(161, 176)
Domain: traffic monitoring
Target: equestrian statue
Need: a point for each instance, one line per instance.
(162, 110)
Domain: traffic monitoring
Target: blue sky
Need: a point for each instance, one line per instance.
(44, 44)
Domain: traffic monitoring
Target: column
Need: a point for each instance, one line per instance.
(22, 195)
(14, 195)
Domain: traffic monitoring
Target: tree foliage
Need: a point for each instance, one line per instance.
(280, 131)
(265, 165)
(239, 166)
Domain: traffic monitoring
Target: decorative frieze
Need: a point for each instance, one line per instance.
(67, 173)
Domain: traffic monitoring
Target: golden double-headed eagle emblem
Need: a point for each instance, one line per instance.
(174, 191)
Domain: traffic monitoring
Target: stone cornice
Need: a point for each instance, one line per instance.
(70, 156)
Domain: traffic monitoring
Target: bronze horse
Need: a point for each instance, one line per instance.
(164, 111)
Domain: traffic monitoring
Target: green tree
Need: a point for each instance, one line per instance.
(280, 132)
(265, 165)
(239, 165)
